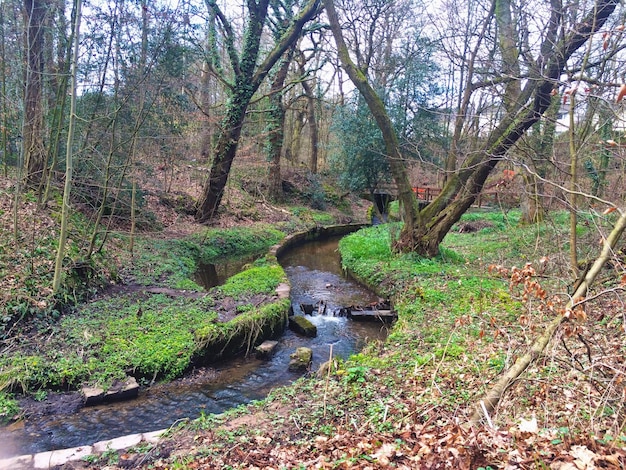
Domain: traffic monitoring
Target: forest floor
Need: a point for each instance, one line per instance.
(406, 402)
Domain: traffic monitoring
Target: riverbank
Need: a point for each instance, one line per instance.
(406, 402)
(134, 305)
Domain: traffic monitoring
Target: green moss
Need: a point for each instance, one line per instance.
(9, 407)
(256, 280)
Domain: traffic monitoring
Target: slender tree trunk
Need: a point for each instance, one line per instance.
(573, 155)
(61, 84)
(4, 146)
(312, 121)
(206, 139)
(408, 201)
(69, 158)
(276, 127)
(541, 148)
(311, 116)
(211, 63)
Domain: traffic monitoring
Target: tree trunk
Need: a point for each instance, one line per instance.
(573, 209)
(408, 201)
(462, 188)
(69, 158)
(4, 124)
(312, 121)
(34, 12)
(541, 146)
(247, 81)
(276, 128)
(225, 151)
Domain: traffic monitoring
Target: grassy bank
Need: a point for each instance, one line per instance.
(157, 323)
(403, 403)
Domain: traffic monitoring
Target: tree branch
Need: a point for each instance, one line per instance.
(491, 399)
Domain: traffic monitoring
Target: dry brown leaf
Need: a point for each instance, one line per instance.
(529, 425)
(621, 94)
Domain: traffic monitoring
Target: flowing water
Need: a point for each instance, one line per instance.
(315, 274)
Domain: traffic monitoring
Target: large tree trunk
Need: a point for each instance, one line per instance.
(408, 201)
(225, 151)
(34, 12)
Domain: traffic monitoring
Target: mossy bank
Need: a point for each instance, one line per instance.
(155, 322)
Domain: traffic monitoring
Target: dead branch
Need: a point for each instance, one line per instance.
(493, 396)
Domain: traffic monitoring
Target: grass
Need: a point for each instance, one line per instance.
(149, 336)
(460, 325)
(172, 262)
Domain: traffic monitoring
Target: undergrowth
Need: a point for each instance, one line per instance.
(402, 403)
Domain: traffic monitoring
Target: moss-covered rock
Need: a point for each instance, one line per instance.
(302, 326)
(301, 359)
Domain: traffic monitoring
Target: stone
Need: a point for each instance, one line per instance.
(302, 326)
(266, 349)
(118, 443)
(55, 458)
(154, 436)
(17, 463)
(301, 359)
(93, 395)
(125, 390)
(283, 290)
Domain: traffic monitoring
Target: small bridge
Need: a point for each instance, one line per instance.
(426, 193)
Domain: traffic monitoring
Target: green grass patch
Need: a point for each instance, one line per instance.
(173, 262)
(256, 280)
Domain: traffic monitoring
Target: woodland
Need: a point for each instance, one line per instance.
(132, 127)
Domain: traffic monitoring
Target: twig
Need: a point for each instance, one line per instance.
(443, 356)
(486, 413)
(330, 366)
(296, 423)
(492, 398)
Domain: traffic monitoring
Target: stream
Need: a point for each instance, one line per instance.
(315, 274)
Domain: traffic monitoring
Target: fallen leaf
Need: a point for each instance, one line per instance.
(529, 425)
(584, 457)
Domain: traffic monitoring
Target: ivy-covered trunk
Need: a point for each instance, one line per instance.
(248, 78)
(225, 151)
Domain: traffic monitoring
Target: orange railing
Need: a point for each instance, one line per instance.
(426, 193)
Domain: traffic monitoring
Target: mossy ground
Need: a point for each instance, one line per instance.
(155, 320)
(405, 403)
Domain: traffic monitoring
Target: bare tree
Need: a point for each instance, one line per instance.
(358, 75)
(35, 155)
(69, 159)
